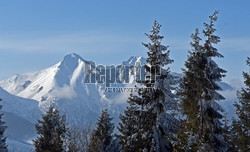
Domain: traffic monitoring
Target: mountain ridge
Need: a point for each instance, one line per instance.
(63, 85)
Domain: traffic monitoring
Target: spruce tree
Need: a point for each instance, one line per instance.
(241, 126)
(102, 136)
(135, 127)
(227, 134)
(211, 116)
(79, 138)
(52, 132)
(149, 113)
(189, 93)
(202, 128)
(128, 127)
(3, 145)
(160, 100)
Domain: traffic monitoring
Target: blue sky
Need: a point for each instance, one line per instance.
(35, 34)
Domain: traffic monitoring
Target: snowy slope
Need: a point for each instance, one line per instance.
(63, 85)
(229, 92)
(20, 116)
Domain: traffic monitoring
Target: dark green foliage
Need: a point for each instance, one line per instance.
(79, 138)
(101, 138)
(135, 127)
(241, 126)
(190, 93)
(144, 126)
(51, 132)
(202, 128)
(227, 133)
(3, 145)
(159, 100)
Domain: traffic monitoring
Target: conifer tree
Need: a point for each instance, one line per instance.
(3, 145)
(79, 138)
(159, 100)
(148, 115)
(241, 126)
(202, 129)
(135, 127)
(102, 136)
(52, 132)
(127, 126)
(189, 93)
(227, 134)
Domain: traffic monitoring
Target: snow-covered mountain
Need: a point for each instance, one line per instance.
(133, 59)
(20, 115)
(64, 86)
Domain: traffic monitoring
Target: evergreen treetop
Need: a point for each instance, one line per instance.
(102, 136)
(202, 128)
(241, 126)
(52, 132)
(3, 145)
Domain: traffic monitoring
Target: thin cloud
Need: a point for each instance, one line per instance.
(68, 42)
(231, 44)
(96, 41)
(235, 44)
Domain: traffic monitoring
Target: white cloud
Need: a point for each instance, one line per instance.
(236, 83)
(64, 92)
(229, 94)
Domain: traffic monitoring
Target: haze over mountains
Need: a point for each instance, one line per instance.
(63, 85)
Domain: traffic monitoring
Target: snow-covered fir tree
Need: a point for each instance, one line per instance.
(160, 99)
(202, 128)
(3, 145)
(79, 138)
(227, 133)
(128, 127)
(241, 126)
(149, 113)
(52, 132)
(102, 137)
(135, 127)
(189, 93)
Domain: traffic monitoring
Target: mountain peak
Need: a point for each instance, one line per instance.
(67, 67)
(73, 57)
(133, 59)
(70, 62)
